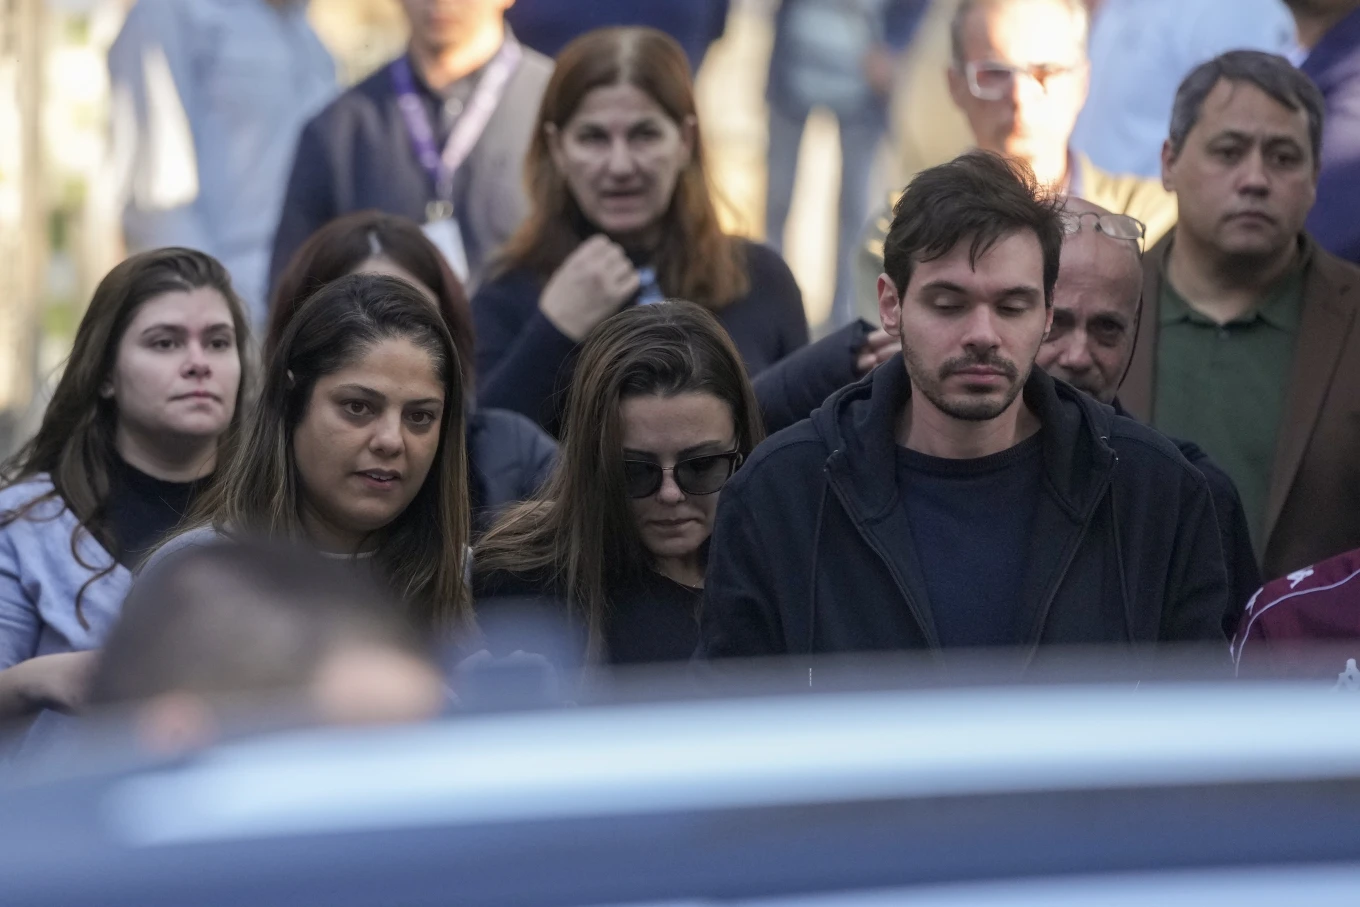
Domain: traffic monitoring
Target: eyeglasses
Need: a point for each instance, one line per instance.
(1115, 226)
(995, 81)
(697, 475)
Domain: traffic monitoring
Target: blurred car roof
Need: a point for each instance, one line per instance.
(851, 793)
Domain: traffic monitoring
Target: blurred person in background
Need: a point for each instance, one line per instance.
(1140, 52)
(1306, 624)
(1019, 73)
(1096, 304)
(1249, 344)
(356, 447)
(550, 25)
(437, 135)
(222, 636)
(509, 456)
(660, 415)
(144, 412)
(208, 101)
(622, 214)
(1329, 38)
(840, 56)
(958, 496)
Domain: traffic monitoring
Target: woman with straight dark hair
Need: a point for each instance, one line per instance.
(356, 447)
(509, 456)
(145, 411)
(660, 415)
(622, 213)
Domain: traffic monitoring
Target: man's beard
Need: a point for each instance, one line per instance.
(968, 409)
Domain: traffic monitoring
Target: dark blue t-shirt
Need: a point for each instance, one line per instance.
(971, 522)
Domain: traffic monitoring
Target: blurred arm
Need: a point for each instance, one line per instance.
(308, 204)
(793, 387)
(520, 353)
(1197, 594)
(900, 19)
(154, 159)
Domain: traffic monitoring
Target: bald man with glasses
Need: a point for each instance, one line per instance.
(1019, 73)
(1096, 306)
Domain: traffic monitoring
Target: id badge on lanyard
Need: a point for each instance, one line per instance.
(441, 220)
(442, 229)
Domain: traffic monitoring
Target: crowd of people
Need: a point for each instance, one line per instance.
(512, 360)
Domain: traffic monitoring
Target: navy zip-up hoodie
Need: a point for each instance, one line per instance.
(812, 550)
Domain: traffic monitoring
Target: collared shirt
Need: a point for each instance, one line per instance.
(444, 107)
(208, 100)
(1140, 50)
(1224, 386)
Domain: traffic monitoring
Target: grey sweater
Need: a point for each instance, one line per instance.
(40, 578)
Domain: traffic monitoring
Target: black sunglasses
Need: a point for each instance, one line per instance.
(697, 475)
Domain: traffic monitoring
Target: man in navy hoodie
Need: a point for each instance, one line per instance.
(957, 496)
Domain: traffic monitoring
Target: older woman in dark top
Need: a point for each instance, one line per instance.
(622, 214)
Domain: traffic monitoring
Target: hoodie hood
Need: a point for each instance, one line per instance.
(858, 426)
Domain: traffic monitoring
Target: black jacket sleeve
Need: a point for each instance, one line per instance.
(1197, 585)
(310, 202)
(1244, 573)
(793, 387)
(1239, 558)
(512, 456)
(521, 356)
(740, 613)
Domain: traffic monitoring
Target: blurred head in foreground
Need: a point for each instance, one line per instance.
(245, 624)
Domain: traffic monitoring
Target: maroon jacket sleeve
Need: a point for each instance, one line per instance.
(1306, 624)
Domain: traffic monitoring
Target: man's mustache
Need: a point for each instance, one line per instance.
(963, 363)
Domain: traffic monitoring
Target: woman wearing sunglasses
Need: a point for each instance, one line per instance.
(660, 414)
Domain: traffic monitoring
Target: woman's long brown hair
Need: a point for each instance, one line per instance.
(695, 260)
(423, 553)
(74, 445)
(348, 242)
(580, 530)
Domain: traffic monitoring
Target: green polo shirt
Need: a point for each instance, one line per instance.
(1224, 386)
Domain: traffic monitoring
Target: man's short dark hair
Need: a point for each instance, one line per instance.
(1271, 73)
(980, 197)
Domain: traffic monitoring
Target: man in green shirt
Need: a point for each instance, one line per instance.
(1249, 341)
(1223, 384)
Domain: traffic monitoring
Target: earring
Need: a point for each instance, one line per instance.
(106, 390)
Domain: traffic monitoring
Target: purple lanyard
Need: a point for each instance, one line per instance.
(466, 131)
